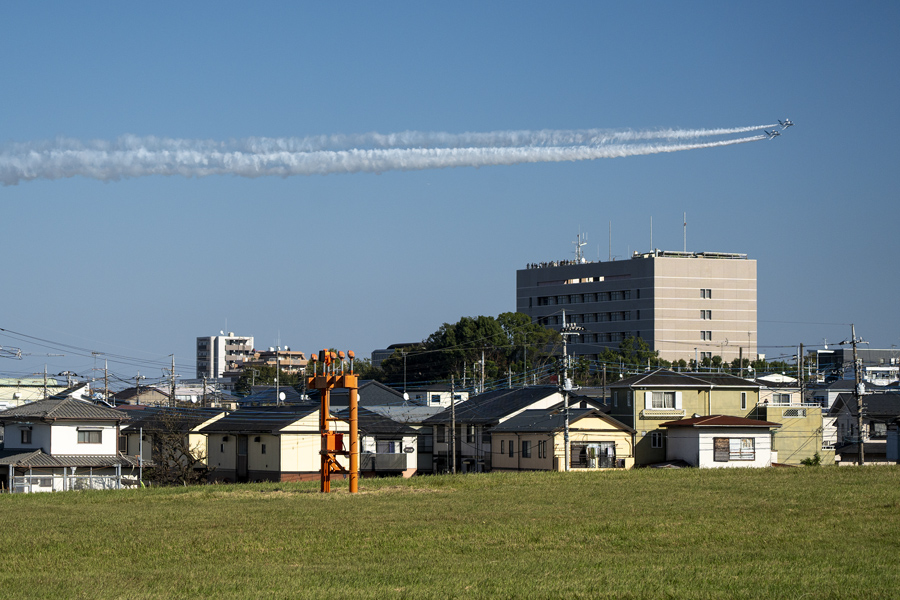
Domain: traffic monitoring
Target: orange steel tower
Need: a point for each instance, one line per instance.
(331, 377)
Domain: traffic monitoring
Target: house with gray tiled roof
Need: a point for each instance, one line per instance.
(62, 444)
(268, 443)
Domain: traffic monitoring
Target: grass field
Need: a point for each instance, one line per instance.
(765, 533)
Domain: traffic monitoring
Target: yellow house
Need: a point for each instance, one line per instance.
(647, 400)
(147, 426)
(268, 444)
(536, 440)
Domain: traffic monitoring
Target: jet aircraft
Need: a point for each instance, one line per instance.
(773, 134)
(785, 124)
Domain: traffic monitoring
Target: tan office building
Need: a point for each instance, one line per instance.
(683, 304)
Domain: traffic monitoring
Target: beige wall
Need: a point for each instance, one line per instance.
(678, 303)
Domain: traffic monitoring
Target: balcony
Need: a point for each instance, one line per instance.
(382, 462)
(662, 413)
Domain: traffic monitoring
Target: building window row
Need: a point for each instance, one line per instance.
(706, 336)
(602, 338)
(585, 298)
(705, 293)
(706, 315)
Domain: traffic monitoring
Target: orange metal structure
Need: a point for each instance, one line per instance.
(333, 376)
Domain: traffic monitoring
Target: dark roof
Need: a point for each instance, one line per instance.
(132, 392)
(372, 423)
(719, 421)
(172, 419)
(541, 420)
(664, 378)
(490, 407)
(53, 409)
(371, 393)
(263, 419)
(38, 459)
(267, 394)
(875, 406)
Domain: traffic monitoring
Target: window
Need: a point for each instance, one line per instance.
(542, 449)
(727, 449)
(502, 447)
(663, 400)
(743, 400)
(526, 449)
(262, 449)
(706, 315)
(441, 431)
(656, 439)
(511, 447)
(426, 443)
(26, 435)
(435, 398)
(781, 399)
(388, 447)
(706, 335)
(470, 434)
(705, 293)
(89, 436)
(630, 394)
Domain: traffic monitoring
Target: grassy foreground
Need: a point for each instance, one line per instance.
(767, 533)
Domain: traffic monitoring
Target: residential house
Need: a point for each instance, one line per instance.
(647, 400)
(146, 396)
(415, 417)
(18, 391)
(146, 429)
(386, 447)
(274, 443)
(806, 428)
(62, 444)
(879, 411)
(535, 440)
(720, 441)
(476, 417)
(438, 394)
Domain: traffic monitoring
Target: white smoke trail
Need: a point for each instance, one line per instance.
(132, 156)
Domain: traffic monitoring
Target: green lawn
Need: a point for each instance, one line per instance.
(766, 533)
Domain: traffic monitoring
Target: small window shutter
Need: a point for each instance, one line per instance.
(648, 400)
(678, 400)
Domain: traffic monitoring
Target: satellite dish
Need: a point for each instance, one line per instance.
(405, 396)
(282, 396)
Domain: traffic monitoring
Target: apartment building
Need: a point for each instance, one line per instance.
(686, 305)
(219, 353)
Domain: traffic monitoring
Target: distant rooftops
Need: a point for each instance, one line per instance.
(657, 253)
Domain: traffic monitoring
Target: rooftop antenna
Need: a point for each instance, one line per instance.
(610, 242)
(685, 232)
(579, 242)
(651, 233)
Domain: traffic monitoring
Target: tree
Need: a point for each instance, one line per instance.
(508, 343)
(175, 461)
(265, 375)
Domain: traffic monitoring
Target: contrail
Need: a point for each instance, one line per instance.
(132, 156)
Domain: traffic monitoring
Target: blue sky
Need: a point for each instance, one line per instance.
(141, 266)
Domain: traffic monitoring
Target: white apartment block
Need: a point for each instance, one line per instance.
(683, 304)
(219, 353)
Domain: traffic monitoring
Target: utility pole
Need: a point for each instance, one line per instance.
(452, 425)
(800, 371)
(857, 393)
(172, 378)
(566, 331)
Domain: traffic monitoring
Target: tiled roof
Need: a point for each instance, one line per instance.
(553, 420)
(260, 420)
(372, 423)
(664, 378)
(719, 421)
(490, 407)
(878, 406)
(169, 419)
(62, 409)
(38, 459)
